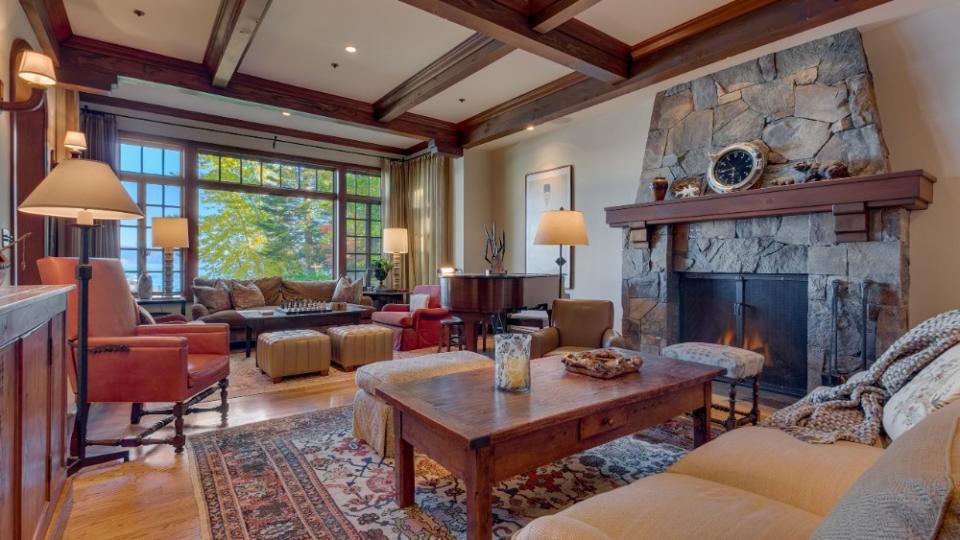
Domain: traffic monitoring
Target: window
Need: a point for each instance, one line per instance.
(153, 176)
(251, 171)
(362, 222)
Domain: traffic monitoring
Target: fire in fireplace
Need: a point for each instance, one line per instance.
(766, 313)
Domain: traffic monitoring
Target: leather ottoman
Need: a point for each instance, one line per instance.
(293, 352)
(360, 344)
(373, 418)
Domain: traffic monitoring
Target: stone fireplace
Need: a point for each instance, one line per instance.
(814, 101)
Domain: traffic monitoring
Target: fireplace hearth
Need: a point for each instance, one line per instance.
(765, 313)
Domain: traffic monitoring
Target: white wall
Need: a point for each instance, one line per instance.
(472, 196)
(917, 77)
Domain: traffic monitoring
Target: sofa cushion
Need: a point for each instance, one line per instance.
(418, 368)
(246, 296)
(215, 298)
(308, 290)
(402, 319)
(936, 386)
(776, 465)
(271, 287)
(912, 491)
(675, 506)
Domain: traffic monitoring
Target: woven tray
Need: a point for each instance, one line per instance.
(575, 363)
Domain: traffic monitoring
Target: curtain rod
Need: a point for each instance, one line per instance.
(275, 139)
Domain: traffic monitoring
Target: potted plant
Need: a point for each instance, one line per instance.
(381, 269)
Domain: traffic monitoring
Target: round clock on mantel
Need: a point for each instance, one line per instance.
(736, 167)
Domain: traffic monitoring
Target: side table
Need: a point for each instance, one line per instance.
(382, 297)
(155, 301)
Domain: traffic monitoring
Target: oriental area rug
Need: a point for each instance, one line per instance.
(306, 477)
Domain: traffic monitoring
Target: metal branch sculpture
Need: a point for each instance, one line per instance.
(494, 249)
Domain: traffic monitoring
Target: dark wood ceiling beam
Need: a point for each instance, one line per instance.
(764, 25)
(475, 53)
(87, 55)
(606, 59)
(173, 112)
(546, 15)
(47, 19)
(233, 30)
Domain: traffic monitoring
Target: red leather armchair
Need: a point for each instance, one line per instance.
(418, 329)
(131, 363)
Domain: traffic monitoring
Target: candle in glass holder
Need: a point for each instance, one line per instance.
(513, 362)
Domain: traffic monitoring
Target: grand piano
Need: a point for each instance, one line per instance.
(475, 297)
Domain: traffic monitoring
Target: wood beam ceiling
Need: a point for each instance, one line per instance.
(572, 43)
(48, 19)
(87, 56)
(475, 53)
(233, 30)
(139, 106)
(547, 15)
(722, 38)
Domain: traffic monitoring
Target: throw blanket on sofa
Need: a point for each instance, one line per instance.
(853, 411)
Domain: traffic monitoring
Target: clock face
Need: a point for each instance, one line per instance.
(734, 167)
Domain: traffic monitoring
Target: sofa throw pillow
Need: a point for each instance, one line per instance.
(419, 301)
(911, 491)
(215, 298)
(246, 296)
(348, 291)
(935, 387)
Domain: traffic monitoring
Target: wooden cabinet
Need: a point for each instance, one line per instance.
(33, 410)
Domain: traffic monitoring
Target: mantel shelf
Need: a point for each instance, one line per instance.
(912, 190)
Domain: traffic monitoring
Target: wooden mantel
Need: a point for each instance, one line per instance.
(848, 198)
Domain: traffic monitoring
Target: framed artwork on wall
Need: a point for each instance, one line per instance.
(548, 190)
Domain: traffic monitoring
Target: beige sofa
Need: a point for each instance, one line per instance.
(760, 483)
(275, 291)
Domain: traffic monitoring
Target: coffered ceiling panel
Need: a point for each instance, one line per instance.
(633, 21)
(513, 75)
(299, 40)
(177, 28)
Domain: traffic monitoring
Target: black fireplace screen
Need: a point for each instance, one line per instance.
(766, 313)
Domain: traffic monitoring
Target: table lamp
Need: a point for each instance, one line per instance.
(85, 190)
(561, 228)
(395, 243)
(169, 233)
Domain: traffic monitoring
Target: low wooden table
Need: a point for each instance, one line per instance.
(260, 320)
(483, 435)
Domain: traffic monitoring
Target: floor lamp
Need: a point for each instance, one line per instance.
(561, 228)
(169, 233)
(395, 243)
(84, 190)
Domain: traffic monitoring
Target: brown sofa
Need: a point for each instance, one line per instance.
(757, 482)
(275, 291)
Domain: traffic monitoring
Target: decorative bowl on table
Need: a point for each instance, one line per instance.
(602, 363)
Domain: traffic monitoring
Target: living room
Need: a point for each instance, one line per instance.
(514, 269)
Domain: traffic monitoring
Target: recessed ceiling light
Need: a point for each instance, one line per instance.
(530, 128)
(350, 49)
(285, 113)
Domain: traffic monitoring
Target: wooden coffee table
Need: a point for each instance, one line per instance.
(483, 436)
(257, 321)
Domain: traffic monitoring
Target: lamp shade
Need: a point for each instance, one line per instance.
(395, 240)
(561, 227)
(170, 232)
(78, 186)
(37, 68)
(75, 141)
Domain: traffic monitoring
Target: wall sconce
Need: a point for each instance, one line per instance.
(75, 142)
(37, 69)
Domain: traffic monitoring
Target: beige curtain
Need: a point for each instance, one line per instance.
(417, 197)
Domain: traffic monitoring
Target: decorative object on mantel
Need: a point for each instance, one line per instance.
(547, 190)
(512, 356)
(601, 363)
(737, 167)
(659, 188)
(814, 170)
(685, 188)
(494, 249)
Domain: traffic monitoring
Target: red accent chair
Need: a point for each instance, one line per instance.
(415, 330)
(131, 363)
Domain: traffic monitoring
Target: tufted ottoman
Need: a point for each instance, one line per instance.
(372, 418)
(293, 352)
(360, 344)
(740, 364)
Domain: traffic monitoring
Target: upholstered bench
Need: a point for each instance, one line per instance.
(372, 418)
(741, 365)
(293, 352)
(360, 344)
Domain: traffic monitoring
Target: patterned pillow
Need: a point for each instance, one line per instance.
(419, 301)
(348, 291)
(935, 387)
(215, 298)
(246, 296)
